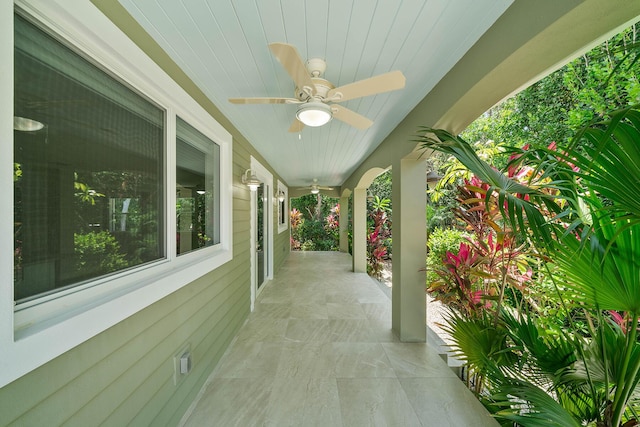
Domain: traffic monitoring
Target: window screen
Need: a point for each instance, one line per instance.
(197, 189)
(88, 169)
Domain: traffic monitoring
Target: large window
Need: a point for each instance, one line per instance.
(121, 182)
(197, 189)
(88, 169)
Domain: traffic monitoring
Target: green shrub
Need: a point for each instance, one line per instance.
(441, 241)
(98, 254)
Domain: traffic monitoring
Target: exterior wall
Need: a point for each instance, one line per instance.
(125, 374)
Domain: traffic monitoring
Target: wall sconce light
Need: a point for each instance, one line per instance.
(280, 196)
(250, 179)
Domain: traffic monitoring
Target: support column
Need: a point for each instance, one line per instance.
(344, 224)
(409, 315)
(360, 230)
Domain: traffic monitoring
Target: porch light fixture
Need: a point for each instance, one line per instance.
(314, 113)
(250, 179)
(24, 124)
(369, 196)
(432, 179)
(280, 196)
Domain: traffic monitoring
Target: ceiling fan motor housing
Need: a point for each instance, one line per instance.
(316, 67)
(322, 89)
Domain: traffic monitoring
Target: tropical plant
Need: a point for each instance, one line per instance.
(379, 231)
(579, 209)
(554, 108)
(98, 253)
(314, 223)
(439, 242)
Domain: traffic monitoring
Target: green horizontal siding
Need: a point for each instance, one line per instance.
(126, 372)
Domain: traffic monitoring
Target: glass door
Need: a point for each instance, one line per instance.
(262, 221)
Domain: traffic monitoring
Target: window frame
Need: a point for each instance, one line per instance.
(207, 152)
(34, 332)
(282, 227)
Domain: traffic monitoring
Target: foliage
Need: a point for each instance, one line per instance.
(603, 79)
(295, 219)
(381, 187)
(379, 231)
(575, 209)
(84, 193)
(439, 212)
(17, 171)
(379, 208)
(566, 197)
(97, 254)
(314, 223)
(490, 262)
(441, 241)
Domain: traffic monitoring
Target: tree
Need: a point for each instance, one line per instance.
(556, 106)
(314, 223)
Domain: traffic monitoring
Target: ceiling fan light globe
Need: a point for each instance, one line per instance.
(315, 191)
(314, 114)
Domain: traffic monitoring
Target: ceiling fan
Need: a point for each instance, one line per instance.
(318, 97)
(315, 188)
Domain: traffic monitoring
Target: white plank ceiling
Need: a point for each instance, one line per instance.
(222, 45)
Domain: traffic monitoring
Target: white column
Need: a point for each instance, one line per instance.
(360, 230)
(344, 224)
(409, 316)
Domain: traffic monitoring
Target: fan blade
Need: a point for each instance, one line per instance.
(296, 126)
(378, 84)
(350, 117)
(288, 56)
(263, 101)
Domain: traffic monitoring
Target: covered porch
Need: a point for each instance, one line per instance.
(319, 343)
(319, 350)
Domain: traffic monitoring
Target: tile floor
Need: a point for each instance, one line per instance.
(319, 351)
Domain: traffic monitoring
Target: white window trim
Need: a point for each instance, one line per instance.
(266, 177)
(35, 333)
(283, 188)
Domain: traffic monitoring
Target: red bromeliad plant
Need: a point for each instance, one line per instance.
(376, 239)
(477, 276)
(295, 218)
(537, 376)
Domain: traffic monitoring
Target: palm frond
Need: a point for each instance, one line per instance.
(609, 282)
(530, 406)
(548, 353)
(522, 214)
(607, 155)
(479, 341)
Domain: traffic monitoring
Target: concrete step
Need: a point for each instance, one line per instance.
(444, 351)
